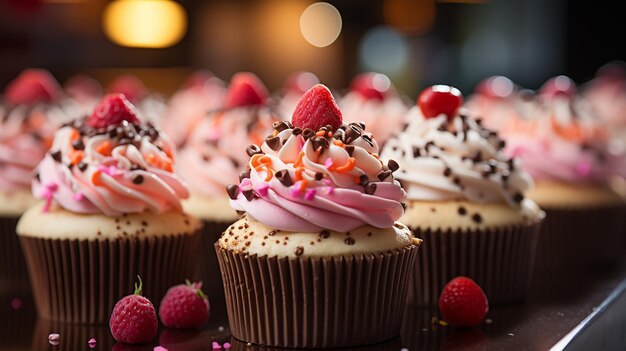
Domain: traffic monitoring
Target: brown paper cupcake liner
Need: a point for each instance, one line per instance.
(79, 281)
(13, 273)
(391, 345)
(316, 302)
(572, 239)
(500, 260)
(208, 270)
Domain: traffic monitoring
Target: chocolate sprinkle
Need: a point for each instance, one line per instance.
(82, 166)
(393, 165)
(462, 211)
(416, 152)
(350, 150)
(349, 241)
(319, 176)
(253, 149)
(233, 191)
(299, 251)
(56, 155)
(383, 175)
(477, 218)
(324, 234)
(447, 172)
(364, 180)
(244, 175)
(284, 178)
(518, 197)
(138, 179)
(273, 143)
(78, 144)
(370, 188)
(249, 194)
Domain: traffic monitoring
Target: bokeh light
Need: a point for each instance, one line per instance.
(410, 16)
(145, 23)
(320, 24)
(383, 50)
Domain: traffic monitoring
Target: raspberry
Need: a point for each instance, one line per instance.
(440, 99)
(463, 303)
(112, 110)
(300, 82)
(245, 89)
(558, 86)
(316, 109)
(184, 306)
(32, 86)
(134, 320)
(496, 87)
(129, 85)
(372, 86)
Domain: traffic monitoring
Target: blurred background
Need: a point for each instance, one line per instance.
(415, 42)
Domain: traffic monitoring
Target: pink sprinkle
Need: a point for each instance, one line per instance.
(328, 163)
(47, 194)
(245, 182)
(160, 348)
(226, 345)
(54, 339)
(583, 168)
(518, 151)
(330, 190)
(216, 346)
(78, 196)
(310, 194)
(262, 189)
(52, 187)
(92, 343)
(295, 189)
(16, 303)
(327, 182)
(301, 143)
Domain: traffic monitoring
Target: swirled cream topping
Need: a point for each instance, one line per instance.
(110, 163)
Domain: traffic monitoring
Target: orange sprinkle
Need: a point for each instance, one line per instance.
(298, 162)
(357, 180)
(299, 171)
(330, 134)
(320, 133)
(338, 143)
(105, 148)
(255, 160)
(76, 157)
(95, 178)
(75, 135)
(270, 174)
(302, 185)
(347, 167)
(151, 159)
(275, 133)
(167, 165)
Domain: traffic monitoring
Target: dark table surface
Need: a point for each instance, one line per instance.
(596, 299)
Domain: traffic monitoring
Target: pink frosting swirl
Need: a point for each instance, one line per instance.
(213, 156)
(308, 181)
(124, 168)
(25, 134)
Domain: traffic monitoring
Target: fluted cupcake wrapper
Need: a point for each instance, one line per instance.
(208, 270)
(79, 281)
(13, 273)
(575, 238)
(316, 302)
(499, 259)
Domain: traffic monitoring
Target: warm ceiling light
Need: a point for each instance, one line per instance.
(320, 24)
(145, 23)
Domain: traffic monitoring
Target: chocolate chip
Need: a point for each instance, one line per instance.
(349, 241)
(383, 175)
(273, 143)
(56, 155)
(416, 152)
(271, 233)
(518, 197)
(368, 139)
(296, 131)
(82, 166)
(320, 142)
(299, 251)
(138, 179)
(281, 125)
(447, 172)
(78, 144)
(370, 188)
(350, 150)
(253, 149)
(476, 217)
(233, 191)
(462, 211)
(324, 234)
(249, 194)
(393, 165)
(284, 178)
(307, 133)
(244, 175)
(319, 176)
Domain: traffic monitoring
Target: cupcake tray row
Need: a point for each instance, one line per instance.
(586, 310)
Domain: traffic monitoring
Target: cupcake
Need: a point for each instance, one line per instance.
(32, 107)
(111, 210)
(465, 199)
(295, 86)
(201, 94)
(152, 106)
(565, 148)
(374, 101)
(317, 258)
(215, 156)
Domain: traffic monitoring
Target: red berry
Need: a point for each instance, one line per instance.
(134, 320)
(112, 110)
(32, 86)
(184, 306)
(558, 86)
(463, 303)
(300, 82)
(245, 89)
(497, 87)
(371, 85)
(316, 109)
(440, 99)
(129, 85)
